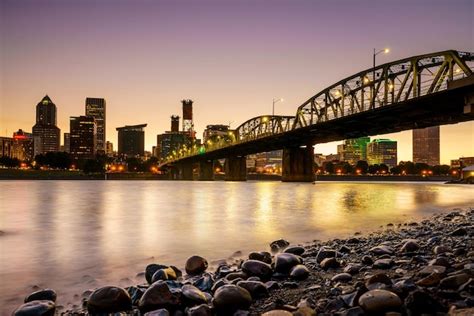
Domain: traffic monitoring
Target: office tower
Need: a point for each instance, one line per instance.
(382, 151)
(23, 148)
(109, 148)
(83, 137)
(426, 145)
(67, 142)
(174, 124)
(188, 125)
(95, 107)
(46, 134)
(353, 150)
(131, 140)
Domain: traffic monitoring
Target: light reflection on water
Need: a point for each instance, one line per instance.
(58, 233)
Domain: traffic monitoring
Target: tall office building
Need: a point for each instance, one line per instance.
(131, 140)
(353, 150)
(426, 145)
(188, 125)
(95, 107)
(382, 151)
(46, 134)
(23, 148)
(67, 142)
(83, 137)
(109, 148)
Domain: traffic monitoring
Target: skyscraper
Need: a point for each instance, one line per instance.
(95, 107)
(131, 140)
(82, 137)
(45, 132)
(426, 145)
(353, 150)
(382, 151)
(67, 142)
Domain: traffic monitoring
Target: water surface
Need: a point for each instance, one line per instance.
(76, 235)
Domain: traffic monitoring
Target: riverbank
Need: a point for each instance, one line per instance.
(407, 269)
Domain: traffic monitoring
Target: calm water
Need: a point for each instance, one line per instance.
(75, 235)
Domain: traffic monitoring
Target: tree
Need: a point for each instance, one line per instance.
(9, 162)
(363, 166)
(383, 168)
(93, 166)
(328, 167)
(373, 169)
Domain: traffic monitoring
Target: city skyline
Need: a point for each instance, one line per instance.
(175, 62)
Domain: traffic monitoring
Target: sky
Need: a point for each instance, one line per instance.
(231, 57)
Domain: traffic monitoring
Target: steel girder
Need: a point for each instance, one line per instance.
(387, 84)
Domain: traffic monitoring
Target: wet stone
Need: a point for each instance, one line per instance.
(376, 301)
(454, 281)
(36, 308)
(441, 249)
(236, 275)
(410, 245)
(277, 312)
(342, 277)
(379, 278)
(159, 275)
(159, 295)
(230, 298)
(299, 272)
(285, 261)
(135, 294)
(196, 265)
(383, 264)
(158, 312)
(324, 253)
(430, 280)
(432, 269)
(381, 250)
(367, 260)
(279, 244)
(109, 299)
(205, 282)
(352, 268)
(47, 295)
(150, 271)
(440, 261)
(261, 256)
(330, 263)
(257, 268)
(459, 232)
(200, 310)
(256, 289)
(419, 302)
(296, 250)
(192, 295)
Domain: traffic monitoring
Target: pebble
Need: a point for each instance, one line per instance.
(279, 244)
(342, 277)
(193, 295)
(158, 312)
(330, 263)
(376, 301)
(299, 272)
(277, 312)
(296, 250)
(256, 289)
(46, 294)
(383, 264)
(109, 299)
(381, 250)
(159, 295)
(200, 310)
(36, 308)
(285, 261)
(196, 265)
(257, 268)
(230, 298)
(410, 245)
(261, 256)
(324, 253)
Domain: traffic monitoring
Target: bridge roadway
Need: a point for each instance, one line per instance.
(452, 105)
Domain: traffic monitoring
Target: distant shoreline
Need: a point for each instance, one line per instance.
(18, 174)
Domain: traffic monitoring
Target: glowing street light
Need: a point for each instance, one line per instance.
(276, 101)
(385, 51)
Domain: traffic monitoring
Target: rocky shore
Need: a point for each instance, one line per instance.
(424, 268)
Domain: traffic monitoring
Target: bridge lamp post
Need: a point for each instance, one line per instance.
(276, 101)
(385, 51)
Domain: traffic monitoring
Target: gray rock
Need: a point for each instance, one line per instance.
(230, 298)
(201, 310)
(257, 268)
(159, 295)
(410, 245)
(196, 265)
(324, 253)
(42, 295)
(109, 299)
(256, 289)
(382, 250)
(261, 256)
(330, 263)
(376, 301)
(279, 244)
(36, 308)
(192, 295)
(342, 277)
(285, 261)
(299, 272)
(383, 264)
(296, 250)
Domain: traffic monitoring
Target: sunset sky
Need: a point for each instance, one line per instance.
(231, 57)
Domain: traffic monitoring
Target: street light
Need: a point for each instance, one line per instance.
(385, 51)
(276, 101)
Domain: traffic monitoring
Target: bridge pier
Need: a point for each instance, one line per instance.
(185, 171)
(206, 170)
(236, 168)
(297, 164)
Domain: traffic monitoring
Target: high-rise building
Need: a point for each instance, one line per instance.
(95, 107)
(426, 145)
(67, 142)
(382, 151)
(188, 125)
(23, 148)
(6, 146)
(109, 148)
(174, 124)
(353, 150)
(83, 133)
(131, 140)
(46, 134)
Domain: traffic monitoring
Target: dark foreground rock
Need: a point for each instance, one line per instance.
(424, 268)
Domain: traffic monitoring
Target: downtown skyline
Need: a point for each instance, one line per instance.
(232, 70)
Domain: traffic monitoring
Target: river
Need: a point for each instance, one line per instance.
(76, 235)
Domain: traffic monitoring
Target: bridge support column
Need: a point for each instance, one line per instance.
(206, 170)
(236, 168)
(185, 171)
(173, 173)
(298, 164)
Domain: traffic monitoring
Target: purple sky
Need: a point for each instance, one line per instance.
(230, 57)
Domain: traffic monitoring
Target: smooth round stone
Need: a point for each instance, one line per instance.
(419, 303)
(42, 295)
(257, 268)
(200, 310)
(205, 282)
(454, 281)
(151, 269)
(196, 265)
(382, 250)
(159, 275)
(230, 298)
(36, 308)
(193, 295)
(441, 249)
(352, 268)
(367, 260)
(109, 299)
(342, 277)
(410, 245)
(278, 244)
(383, 264)
(329, 263)
(158, 312)
(277, 312)
(296, 250)
(440, 261)
(236, 275)
(256, 289)
(159, 295)
(379, 278)
(379, 301)
(285, 261)
(324, 253)
(299, 272)
(261, 256)
(432, 269)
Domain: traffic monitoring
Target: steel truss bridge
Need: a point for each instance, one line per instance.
(415, 92)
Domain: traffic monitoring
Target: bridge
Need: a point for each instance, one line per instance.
(415, 92)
